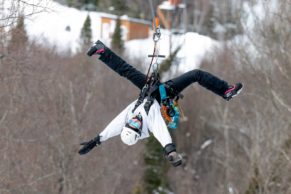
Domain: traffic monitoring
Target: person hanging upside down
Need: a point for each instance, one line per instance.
(155, 110)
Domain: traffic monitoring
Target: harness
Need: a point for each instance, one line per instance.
(169, 106)
(152, 82)
(147, 92)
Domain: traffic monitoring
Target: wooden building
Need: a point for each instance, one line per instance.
(131, 28)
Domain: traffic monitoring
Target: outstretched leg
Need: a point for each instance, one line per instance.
(207, 80)
(117, 64)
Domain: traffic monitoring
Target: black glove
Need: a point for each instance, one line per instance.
(175, 159)
(171, 154)
(89, 145)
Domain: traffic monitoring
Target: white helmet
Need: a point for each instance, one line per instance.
(129, 136)
(132, 130)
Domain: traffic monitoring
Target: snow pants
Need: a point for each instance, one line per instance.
(178, 84)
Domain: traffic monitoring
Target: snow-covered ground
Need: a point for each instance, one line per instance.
(194, 47)
(60, 26)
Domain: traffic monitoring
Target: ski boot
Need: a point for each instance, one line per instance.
(232, 91)
(97, 48)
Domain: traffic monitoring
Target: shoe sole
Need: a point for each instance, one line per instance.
(237, 93)
(91, 52)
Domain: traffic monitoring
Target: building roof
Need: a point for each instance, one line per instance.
(125, 17)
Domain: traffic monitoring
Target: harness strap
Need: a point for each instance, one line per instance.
(150, 98)
(147, 92)
(141, 97)
(151, 82)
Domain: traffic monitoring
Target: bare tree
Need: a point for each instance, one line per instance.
(249, 149)
(218, 19)
(13, 9)
(49, 104)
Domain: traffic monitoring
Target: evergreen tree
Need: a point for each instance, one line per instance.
(117, 42)
(71, 3)
(94, 2)
(155, 176)
(86, 33)
(90, 5)
(169, 61)
(83, 3)
(120, 6)
(19, 37)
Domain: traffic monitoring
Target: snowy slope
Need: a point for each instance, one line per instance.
(50, 28)
(194, 47)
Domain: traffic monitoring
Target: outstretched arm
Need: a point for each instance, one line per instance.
(112, 129)
(117, 64)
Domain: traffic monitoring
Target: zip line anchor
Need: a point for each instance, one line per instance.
(157, 34)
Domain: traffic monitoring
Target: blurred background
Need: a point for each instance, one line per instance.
(52, 96)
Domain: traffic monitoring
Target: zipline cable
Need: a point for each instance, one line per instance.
(156, 38)
(152, 12)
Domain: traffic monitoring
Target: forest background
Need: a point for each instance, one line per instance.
(50, 102)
